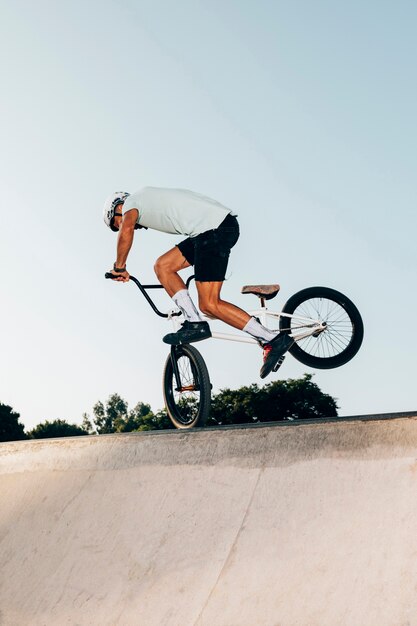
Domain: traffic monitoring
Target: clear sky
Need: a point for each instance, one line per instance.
(298, 115)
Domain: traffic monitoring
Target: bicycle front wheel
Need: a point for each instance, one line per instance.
(341, 337)
(187, 388)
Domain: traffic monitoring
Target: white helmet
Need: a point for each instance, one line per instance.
(110, 206)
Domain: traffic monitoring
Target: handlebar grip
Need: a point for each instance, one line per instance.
(109, 275)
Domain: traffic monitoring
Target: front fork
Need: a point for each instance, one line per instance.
(180, 387)
(174, 357)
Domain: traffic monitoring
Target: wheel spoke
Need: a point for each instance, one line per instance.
(187, 398)
(334, 339)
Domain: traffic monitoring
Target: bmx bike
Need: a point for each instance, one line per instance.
(326, 326)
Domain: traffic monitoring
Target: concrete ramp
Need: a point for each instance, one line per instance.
(306, 524)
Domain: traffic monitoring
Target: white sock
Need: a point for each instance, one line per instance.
(262, 334)
(183, 301)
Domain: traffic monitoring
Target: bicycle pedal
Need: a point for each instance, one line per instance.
(278, 363)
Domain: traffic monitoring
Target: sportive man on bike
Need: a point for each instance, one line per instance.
(211, 230)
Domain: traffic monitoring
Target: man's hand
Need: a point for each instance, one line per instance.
(121, 277)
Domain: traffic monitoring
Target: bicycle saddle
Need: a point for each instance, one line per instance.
(262, 291)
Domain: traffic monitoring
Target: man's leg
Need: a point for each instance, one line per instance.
(167, 267)
(212, 305)
(274, 344)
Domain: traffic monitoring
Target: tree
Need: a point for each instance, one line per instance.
(282, 399)
(57, 428)
(115, 417)
(136, 418)
(298, 398)
(155, 421)
(107, 418)
(235, 406)
(10, 427)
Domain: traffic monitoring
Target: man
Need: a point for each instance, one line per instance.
(211, 230)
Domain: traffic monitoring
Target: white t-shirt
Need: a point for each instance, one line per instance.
(176, 211)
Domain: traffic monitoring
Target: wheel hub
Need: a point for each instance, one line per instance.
(320, 330)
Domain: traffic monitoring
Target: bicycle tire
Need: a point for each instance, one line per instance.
(341, 339)
(187, 408)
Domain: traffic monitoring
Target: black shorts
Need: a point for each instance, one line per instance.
(209, 252)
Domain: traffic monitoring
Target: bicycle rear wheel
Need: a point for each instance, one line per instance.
(187, 388)
(338, 342)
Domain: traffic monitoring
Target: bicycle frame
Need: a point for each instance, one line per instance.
(310, 326)
(186, 380)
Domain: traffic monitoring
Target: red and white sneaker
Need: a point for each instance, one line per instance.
(273, 353)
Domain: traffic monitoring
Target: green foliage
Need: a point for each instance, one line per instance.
(115, 417)
(155, 421)
(10, 427)
(282, 399)
(57, 428)
(109, 418)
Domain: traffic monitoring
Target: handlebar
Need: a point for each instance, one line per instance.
(143, 288)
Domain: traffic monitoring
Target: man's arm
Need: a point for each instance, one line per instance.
(124, 242)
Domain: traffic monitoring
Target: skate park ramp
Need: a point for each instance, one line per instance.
(293, 524)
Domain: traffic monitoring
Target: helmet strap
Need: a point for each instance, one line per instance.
(112, 222)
